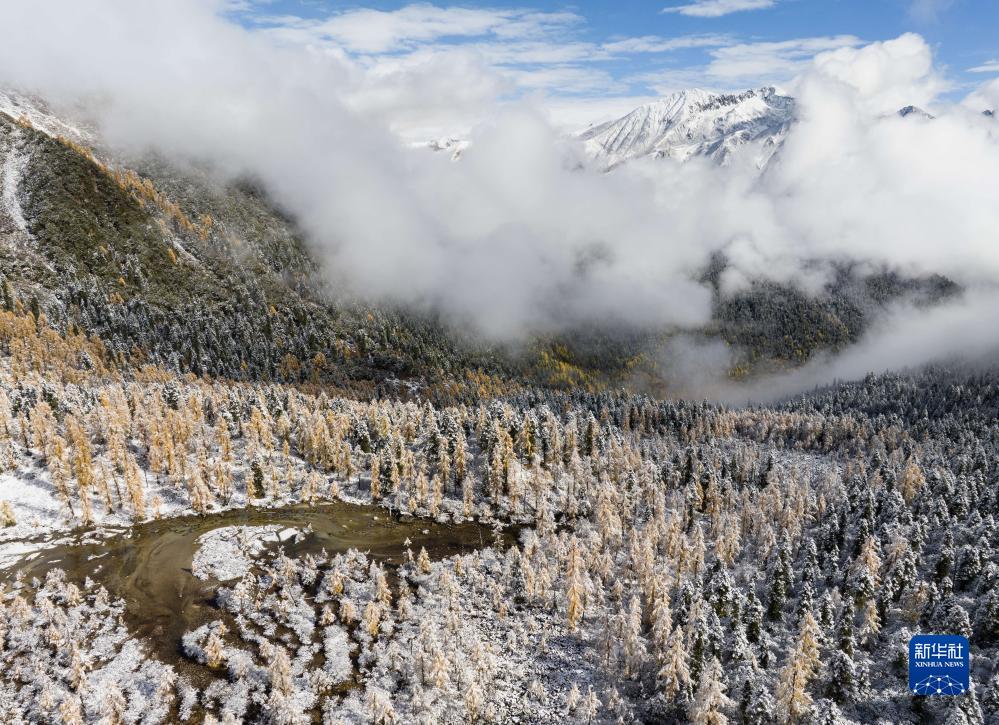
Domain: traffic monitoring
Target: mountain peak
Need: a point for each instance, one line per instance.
(694, 122)
(914, 110)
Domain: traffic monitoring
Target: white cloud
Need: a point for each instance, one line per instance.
(535, 52)
(376, 31)
(741, 65)
(426, 94)
(565, 80)
(984, 98)
(574, 115)
(928, 11)
(780, 59)
(989, 66)
(512, 52)
(887, 75)
(473, 55)
(659, 44)
(717, 8)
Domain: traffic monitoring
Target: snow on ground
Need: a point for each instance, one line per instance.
(34, 502)
(17, 105)
(227, 553)
(10, 174)
(39, 511)
(21, 551)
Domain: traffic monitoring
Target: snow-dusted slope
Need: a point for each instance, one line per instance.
(695, 123)
(17, 110)
(36, 112)
(12, 163)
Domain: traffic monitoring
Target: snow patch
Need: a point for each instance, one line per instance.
(13, 552)
(227, 553)
(10, 175)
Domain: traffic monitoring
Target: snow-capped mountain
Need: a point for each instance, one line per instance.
(695, 123)
(915, 111)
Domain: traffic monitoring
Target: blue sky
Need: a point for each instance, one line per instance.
(610, 55)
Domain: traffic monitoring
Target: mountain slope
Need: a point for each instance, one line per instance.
(695, 123)
(174, 267)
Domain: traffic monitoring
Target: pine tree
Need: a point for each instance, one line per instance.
(372, 619)
(986, 621)
(474, 700)
(662, 625)
(590, 706)
(310, 488)
(674, 675)
(376, 489)
(576, 594)
(572, 699)
(846, 625)
(439, 667)
(633, 644)
(460, 448)
(71, 711)
(757, 705)
(870, 624)
(135, 487)
(793, 700)
(911, 481)
(778, 596)
(280, 671)
(865, 572)
(77, 669)
(753, 618)
(423, 561)
(809, 642)
(7, 517)
(964, 710)
(214, 650)
(710, 700)
(380, 708)
(825, 712)
(844, 683)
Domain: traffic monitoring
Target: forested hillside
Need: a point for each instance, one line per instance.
(177, 268)
(196, 276)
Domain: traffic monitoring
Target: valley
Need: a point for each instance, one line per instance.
(522, 427)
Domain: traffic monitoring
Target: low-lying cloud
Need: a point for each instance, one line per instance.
(905, 338)
(523, 236)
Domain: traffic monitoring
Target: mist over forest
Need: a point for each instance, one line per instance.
(453, 364)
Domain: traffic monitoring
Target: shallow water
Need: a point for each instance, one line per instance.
(149, 565)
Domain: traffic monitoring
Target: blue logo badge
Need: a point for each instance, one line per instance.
(939, 664)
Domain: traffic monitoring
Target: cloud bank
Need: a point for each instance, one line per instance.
(522, 236)
(905, 338)
(718, 8)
